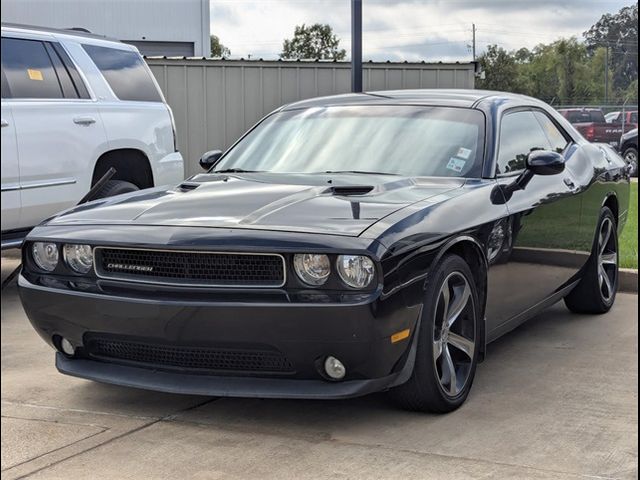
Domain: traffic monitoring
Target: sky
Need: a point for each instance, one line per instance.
(406, 30)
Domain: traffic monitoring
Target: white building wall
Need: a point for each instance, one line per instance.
(135, 20)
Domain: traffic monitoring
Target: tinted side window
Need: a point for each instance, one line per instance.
(70, 70)
(6, 93)
(29, 70)
(634, 117)
(520, 133)
(556, 139)
(125, 73)
(596, 116)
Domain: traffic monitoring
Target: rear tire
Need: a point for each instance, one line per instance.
(116, 187)
(451, 299)
(597, 289)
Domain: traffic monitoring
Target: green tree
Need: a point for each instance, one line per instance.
(217, 48)
(620, 33)
(500, 70)
(317, 42)
(574, 85)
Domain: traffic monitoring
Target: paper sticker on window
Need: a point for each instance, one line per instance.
(463, 153)
(34, 74)
(456, 164)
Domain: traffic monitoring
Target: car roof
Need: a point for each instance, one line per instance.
(427, 97)
(71, 32)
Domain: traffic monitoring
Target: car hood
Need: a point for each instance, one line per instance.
(343, 204)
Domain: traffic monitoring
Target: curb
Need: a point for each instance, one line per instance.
(628, 280)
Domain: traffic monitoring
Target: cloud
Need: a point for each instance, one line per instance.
(411, 30)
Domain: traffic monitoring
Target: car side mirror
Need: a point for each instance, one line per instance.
(209, 159)
(538, 162)
(544, 162)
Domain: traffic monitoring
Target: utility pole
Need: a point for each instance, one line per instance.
(473, 44)
(606, 73)
(356, 46)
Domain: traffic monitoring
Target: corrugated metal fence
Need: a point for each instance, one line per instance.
(216, 101)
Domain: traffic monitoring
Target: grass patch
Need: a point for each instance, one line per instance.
(629, 238)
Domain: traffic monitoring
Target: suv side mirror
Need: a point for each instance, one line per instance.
(544, 162)
(210, 158)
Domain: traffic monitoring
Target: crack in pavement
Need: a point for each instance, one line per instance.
(55, 449)
(106, 442)
(77, 410)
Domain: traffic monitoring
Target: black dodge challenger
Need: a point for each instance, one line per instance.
(344, 245)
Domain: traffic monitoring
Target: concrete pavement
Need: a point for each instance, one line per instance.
(557, 398)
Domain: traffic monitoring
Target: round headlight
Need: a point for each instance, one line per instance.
(313, 269)
(357, 271)
(45, 254)
(78, 257)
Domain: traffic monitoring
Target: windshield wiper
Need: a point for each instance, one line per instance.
(362, 172)
(236, 170)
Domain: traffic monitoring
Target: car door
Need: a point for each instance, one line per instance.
(10, 172)
(543, 226)
(58, 128)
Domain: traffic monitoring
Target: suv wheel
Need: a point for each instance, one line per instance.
(631, 157)
(116, 187)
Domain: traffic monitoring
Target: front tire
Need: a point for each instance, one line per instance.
(448, 342)
(597, 289)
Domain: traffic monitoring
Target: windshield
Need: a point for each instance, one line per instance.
(399, 140)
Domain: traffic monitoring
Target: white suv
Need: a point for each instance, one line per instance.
(74, 105)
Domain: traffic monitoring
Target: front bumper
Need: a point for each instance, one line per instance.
(305, 333)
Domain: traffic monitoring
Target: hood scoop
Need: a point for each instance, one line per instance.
(348, 190)
(188, 186)
(195, 181)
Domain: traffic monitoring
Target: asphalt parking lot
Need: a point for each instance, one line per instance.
(557, 398)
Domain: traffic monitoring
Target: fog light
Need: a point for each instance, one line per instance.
(66, 347)
(334, 368)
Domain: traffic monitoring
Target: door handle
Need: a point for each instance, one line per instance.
(569, 183)
(84, 120)
(5, 123)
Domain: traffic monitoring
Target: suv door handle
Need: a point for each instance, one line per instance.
(5, 123)
(84, 120)
(569, 183)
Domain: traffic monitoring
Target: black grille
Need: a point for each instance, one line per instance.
(189, 358)
(191, 268)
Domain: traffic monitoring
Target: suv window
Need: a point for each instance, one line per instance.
(634, 117)
(557, 141)
(520, 133)
(29, 70)
(125, 72)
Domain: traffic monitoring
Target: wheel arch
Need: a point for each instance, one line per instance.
(471, 250)
(131, 164)
(611, 202)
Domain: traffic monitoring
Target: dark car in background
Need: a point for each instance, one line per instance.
(345, 245)
(593, 126)
(629, 150)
